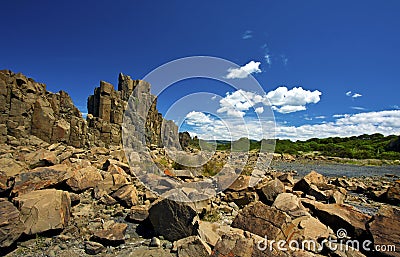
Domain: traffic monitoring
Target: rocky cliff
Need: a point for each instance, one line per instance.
(26, 108)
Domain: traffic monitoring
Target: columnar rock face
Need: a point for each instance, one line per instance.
(106, 111)
(26, 108)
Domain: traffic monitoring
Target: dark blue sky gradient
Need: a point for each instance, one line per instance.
(332, 46)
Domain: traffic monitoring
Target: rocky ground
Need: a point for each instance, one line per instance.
(58, 200)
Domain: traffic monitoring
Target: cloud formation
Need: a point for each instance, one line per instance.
(244, 71)
(247, 34)
(292, 100)
(353, 95)
(384, 122)
(281, 99)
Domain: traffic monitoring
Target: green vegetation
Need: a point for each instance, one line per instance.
(375, 146)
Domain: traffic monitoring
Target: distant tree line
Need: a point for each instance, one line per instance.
(375, 146)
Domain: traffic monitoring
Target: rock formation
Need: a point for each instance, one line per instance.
(26, 108)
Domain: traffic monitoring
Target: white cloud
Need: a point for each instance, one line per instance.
(259, 110)
(296, 96)
(353, 95)
(320, 117)
(289, 108)
(194, 118)
(247, 34)
(244, 71)
(358, 108)
(384, 122)
(267, 57)
(282, 100)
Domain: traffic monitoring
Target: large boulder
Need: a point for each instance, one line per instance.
(262, 220)
(112, 233)
(44, 210)
(8, 169)
(84, 178)
(393, 193)
(385, 228)
(316, 185)
(340, 216)
(192, 246)
(271, 190)
(290, 204)
(173, 220)
(41, 177)
(11, 226)
(126, 195)
(245, 244)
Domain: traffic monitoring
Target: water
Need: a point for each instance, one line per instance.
(337, 169)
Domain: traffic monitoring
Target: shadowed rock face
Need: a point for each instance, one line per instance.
(26, 108)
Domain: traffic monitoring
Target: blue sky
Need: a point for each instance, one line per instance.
(330, 47)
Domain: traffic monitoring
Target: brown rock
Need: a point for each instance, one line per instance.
(84, 178)
(315, 184)
(11, 226)
(93, 248)
(393, 193)
(241, 183)
(41, 158)
(290, 204)
(271, 190)
(113, 234)
(385, 228)
(8, 169)
(340, 216)
(262, 220)
(191, 246)
(165, 212)
(44, 210)
(138, 213)
(241, 198)
(245, 244)
(110, 183)
(41, 177)
(126, 195)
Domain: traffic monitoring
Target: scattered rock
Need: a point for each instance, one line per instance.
(155, 242)
(262, 220)
(44, 210)
(138, 213)
(191, 246)
(165, 212)
(126, 195)
(11, 226)
(84, 178)
(41, 177)
(93, 248)
(113, 234)
(385, 228)
(340, 216)
(271, 190)
(393, 194)
(290, 204)
(240, 184)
